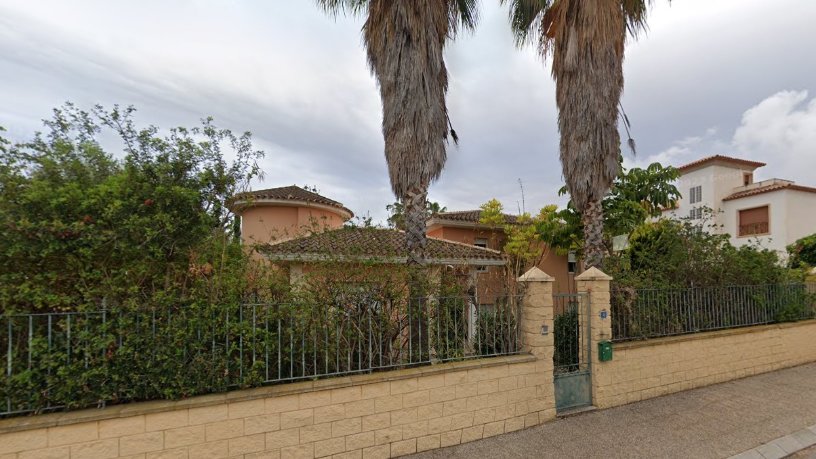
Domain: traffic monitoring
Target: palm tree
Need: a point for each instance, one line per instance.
(586, 39)
(404, 41)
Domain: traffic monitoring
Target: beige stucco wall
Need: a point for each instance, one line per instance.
(379, 415)
(374, 416)
(645, 369)
(267, 224)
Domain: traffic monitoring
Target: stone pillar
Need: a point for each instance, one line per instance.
(536, 336)
(596, 284)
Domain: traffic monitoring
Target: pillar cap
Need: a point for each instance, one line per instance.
(536, 275)
(593, 273)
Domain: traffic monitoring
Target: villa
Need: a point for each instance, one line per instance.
(773, 212)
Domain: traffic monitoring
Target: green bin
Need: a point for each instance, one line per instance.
(605, 351)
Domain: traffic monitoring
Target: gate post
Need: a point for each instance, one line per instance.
(536, 333)
(596, 284)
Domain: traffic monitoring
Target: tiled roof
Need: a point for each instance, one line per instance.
(721, 158)
(288, 193)
(375, 244)
(768, 189)
(468, 216)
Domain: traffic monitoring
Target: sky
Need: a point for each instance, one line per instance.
(734, 77)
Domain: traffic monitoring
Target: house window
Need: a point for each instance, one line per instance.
(747, 178)
(481, 242)
(572, 263)
(695, 194)
(696, 213)
(753, 222)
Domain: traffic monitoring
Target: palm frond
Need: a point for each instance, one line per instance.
(526, 17)
(463, 13)
(630, 142)
(336, 7)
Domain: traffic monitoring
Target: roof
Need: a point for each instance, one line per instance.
(293, 194)
(375, 244)
(769, 188)
(465, 216)
(721, 159)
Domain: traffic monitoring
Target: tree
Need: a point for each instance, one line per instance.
(405, 42)
(636, 195)
(396, 211)
(81, 228)
(586, 40)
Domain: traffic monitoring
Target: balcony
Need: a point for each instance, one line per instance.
(753, 229)
(762, 184)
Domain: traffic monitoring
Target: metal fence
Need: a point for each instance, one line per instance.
(79, 359)
(651, 313)
(571, 333)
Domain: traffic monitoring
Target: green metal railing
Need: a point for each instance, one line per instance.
(67, 360)
(652, 313)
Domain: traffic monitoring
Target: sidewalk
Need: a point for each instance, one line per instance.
(715, 421)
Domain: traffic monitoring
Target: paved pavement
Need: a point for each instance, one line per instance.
(713, 422)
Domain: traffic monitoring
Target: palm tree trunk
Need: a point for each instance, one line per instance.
(593, 234)
(416, 241)
(415, 217)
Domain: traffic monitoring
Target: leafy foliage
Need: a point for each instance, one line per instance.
(80, 228)
(671, 253)
(802, 253)
(567, 340)
(396, 213)
(636, 196)
(521, 237)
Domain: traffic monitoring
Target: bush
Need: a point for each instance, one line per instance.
(675, 254)
(802, 253)
(81, 229)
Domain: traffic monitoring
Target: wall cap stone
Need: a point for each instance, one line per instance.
(536, 275)
(593, 273)
(41, 421)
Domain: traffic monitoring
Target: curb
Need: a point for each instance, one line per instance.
(783, 446)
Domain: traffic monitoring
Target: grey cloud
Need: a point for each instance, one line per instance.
(299, 81)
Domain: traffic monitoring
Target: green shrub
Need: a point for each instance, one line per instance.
(567, 340)
(675, 254)
(82, 227)
(802, 253)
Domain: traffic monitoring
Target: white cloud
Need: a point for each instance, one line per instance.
(780, 131)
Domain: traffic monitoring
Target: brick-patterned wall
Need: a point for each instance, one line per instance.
(645, 369)
(379, 415)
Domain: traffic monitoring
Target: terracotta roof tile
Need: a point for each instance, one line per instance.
(387, 245)
(768, 189)
(288, 193)
(468, 216)
(722, 158)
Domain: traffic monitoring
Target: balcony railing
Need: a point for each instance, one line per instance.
(753, 228)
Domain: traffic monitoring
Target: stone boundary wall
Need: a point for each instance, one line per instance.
(640, 370)
(373, 416)
(378, 415)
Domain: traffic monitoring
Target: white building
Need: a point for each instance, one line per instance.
(774, 212)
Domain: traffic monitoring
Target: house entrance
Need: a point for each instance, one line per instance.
(572, 358)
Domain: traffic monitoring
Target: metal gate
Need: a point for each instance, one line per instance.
(572, 358)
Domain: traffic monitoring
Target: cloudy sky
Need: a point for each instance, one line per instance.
(735, 77)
